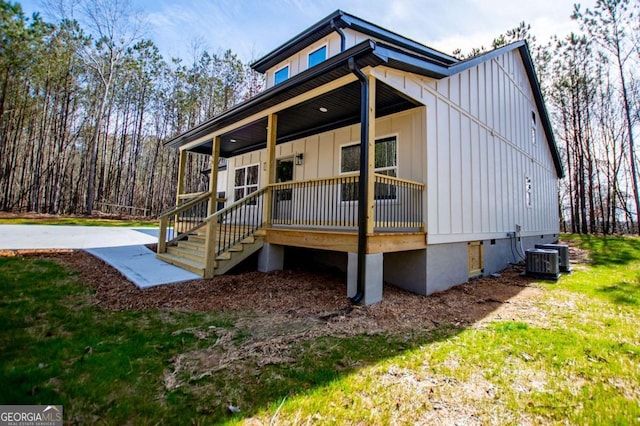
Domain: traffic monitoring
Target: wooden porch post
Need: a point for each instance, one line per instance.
(181, 171)
(213, 178)
(371, 161)
(272, 132)
(211, 244)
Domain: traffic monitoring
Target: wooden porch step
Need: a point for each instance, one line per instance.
(191, 245)
(189, 265)
(224, 256)
(189, 254)
(196, 255)
(226, 261)
(197, 238)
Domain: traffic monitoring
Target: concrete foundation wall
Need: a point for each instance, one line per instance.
(407, 270)
(498, 254)
(442, 266)
(447, 266)
(437, 268)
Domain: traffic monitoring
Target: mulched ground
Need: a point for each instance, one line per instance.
(296, 294)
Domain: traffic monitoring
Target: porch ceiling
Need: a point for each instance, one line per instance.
(305, 119)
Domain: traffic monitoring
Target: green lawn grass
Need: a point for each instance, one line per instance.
(78, 221)
(576, 362)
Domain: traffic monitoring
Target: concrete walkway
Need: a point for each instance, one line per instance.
(122, 248)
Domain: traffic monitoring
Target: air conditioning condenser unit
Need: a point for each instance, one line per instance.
(563, 254)
(541, 263)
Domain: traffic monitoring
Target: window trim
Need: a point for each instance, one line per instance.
(324, 46)
(245, 186)
(355, 173)
(275, 72)
(528, 192)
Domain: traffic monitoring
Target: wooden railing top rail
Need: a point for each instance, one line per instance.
(191, 195)
(209, 218)
(182, 207)
(399, 180)
(301, 182)
(336, 178)
(234, 205)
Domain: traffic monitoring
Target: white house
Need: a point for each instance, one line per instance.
(390, 159)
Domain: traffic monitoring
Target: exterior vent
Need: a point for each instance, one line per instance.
(563, 254)
(542, 264)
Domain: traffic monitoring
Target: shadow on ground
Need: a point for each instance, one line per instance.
(609, 250)
(288, 333)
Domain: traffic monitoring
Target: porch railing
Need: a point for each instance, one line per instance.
(332, 203)
(398, 204)
(225, 228)
(186, 218)
(239, 220)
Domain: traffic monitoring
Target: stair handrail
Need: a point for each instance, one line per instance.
(227, 243)
(236, 204)
(162, 243)
(185, 206)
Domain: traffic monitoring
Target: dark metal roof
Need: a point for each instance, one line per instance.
(342, 104)
(342, 19)
(329, 70)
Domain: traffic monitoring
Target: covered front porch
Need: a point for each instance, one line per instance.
(364, 212)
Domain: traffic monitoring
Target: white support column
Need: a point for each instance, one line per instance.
(271, 258)
(374, 284)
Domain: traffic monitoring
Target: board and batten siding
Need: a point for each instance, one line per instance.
(322, 151)
(480, 152)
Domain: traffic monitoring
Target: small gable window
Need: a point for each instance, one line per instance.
(533, 128)
(317, 56)
(281, 75)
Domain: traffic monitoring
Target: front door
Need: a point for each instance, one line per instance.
(283, 204)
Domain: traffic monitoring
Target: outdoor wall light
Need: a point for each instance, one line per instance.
(299, 158)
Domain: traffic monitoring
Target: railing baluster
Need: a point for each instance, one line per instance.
(333, 202)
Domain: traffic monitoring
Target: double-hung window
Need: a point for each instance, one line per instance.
(386, 163)
(245, 181)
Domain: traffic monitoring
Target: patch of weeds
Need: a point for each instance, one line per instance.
(509, 326)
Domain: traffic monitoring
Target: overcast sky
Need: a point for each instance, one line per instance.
(252, 28)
